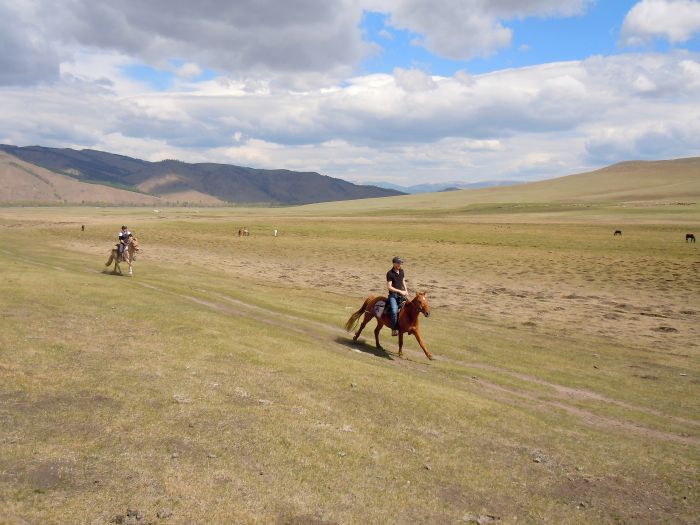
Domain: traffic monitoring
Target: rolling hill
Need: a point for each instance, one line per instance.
(633, 181)
(171, 181)
(23, 182)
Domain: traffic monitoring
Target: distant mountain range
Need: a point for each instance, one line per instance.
(445, 186)
(39, 174)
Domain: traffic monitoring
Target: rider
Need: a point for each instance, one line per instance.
(396, 284)
(124, 235)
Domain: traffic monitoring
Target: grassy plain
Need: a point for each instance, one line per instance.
(218, 385)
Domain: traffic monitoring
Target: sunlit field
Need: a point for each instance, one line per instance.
(217, 385)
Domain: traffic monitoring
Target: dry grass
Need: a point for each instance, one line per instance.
(218, 384)
(25, 182)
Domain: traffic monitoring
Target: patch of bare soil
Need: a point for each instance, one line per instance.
(545, 302)
(635, 308)
(627, 307)
(589, 494)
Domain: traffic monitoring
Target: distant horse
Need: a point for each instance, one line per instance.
(408, 320)
(689, 237)
(617, 232)
(127, 256)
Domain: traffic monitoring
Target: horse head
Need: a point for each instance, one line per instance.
(420, 301)
(134, 244)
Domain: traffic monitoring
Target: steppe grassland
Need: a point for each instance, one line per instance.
(218, 383)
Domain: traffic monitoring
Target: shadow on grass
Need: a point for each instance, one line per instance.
(361, 346)
(112, 272)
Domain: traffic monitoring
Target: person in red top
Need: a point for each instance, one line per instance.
(396, 284)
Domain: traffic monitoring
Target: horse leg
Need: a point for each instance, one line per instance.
(376, 334)
(400, 344)
(362, 326)
(422, 344)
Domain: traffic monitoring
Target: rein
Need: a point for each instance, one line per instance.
(419, 309)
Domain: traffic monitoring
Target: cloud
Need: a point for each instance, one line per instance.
(675, 20)
(535, 121)
(298, 43)
(243, 38)
(464, 29)
(26, 57)
(413, 80)
(652, 140)
(189, 70)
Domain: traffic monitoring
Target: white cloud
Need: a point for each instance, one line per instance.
(674, 20)
(246, 37)
(463, 29)
(530, 122)
(298, 43)
(189, 70)
(413, 80)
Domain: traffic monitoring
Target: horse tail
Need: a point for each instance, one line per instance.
(350, 325)
(111, 259)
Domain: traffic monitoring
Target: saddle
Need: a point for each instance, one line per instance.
(381, 307)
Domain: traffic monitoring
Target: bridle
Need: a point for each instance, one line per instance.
(419, 307)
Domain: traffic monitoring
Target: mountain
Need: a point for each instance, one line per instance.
(23, 182)
(174, 181)
(442, 186)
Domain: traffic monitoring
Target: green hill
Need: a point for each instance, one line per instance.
(650, 181)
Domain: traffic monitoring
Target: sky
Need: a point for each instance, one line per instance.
(401, 91)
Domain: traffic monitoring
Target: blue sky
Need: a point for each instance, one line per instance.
(536, 40)
(405, 91)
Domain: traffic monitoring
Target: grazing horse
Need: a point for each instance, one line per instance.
(617, 232)
(689, 237)
(408, 320)
(127, 256)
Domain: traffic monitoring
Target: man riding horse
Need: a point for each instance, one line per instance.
(123, 240)
(396, 284)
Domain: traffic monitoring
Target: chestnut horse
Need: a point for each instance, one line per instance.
(127, 256)
(408, 320)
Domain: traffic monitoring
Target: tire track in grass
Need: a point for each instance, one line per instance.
(272, 317)
(498, 392)
(567, 393)
(586, 416)
(532, 400)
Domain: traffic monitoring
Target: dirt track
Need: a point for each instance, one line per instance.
(560, 397)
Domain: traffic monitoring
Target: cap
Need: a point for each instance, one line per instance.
(397, 260)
